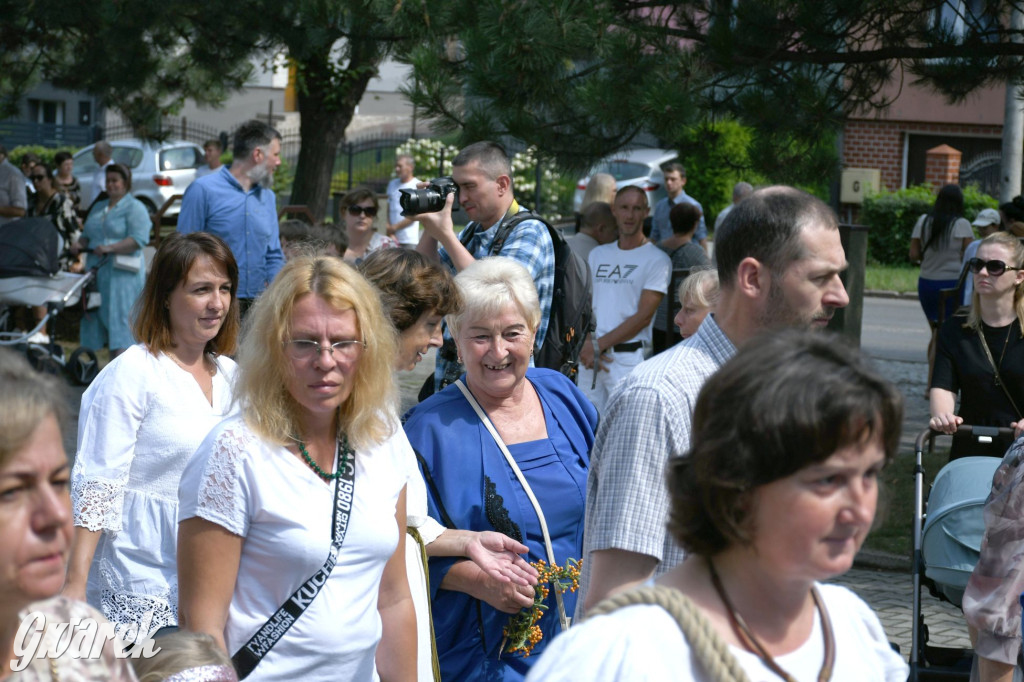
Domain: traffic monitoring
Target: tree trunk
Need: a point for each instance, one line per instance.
(326, 107)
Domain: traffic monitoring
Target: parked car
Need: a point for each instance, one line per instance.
(640, 167)
(159, 169)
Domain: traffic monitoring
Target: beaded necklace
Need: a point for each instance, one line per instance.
(345, 452)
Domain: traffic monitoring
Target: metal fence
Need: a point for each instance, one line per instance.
(17, 133)
(179, 128)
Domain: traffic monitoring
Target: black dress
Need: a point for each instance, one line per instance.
(961, 366)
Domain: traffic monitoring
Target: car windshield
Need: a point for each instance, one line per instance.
(180, 158)
(622, 170)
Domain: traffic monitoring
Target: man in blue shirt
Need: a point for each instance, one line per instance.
(237, 205)
(483, 173)
(675, 181)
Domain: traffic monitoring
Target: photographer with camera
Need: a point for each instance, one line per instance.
(482, 178)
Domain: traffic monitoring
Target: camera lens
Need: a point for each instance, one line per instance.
(416, 201)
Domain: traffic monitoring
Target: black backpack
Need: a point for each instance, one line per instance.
(572, 316)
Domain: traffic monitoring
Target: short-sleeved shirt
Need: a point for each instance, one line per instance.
(962, 367)
(620, 277)
(647, 420)
(643, 643)
(265, 494)
(941, 260)
(246, 220)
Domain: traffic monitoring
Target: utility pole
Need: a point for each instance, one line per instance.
(1013, 124)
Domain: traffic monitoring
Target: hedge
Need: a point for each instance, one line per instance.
(891, 217)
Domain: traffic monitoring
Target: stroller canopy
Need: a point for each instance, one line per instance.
(29, 247)
(955, 523)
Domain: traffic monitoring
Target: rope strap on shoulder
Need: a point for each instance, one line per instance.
(707, 646)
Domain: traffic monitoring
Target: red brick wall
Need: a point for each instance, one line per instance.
(879, 144)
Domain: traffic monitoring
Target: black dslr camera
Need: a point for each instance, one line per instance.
(430, 199)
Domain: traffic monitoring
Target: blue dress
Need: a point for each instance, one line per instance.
(475, 489)
(111, 325)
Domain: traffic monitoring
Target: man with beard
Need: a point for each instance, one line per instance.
(237, 205)
(779, 264)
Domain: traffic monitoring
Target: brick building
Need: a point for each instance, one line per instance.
(896, 140)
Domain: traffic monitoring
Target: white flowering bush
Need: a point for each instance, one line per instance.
(427, 154)
(524, 183)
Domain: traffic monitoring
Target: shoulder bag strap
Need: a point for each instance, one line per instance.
(995, 370)
(249, 656)
(707, 645)
(562, 617)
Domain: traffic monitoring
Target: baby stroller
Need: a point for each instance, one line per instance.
(947, 545)
(30, 275)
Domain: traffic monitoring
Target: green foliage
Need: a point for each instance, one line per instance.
(44, 153)
(891, 217)
(716, 156)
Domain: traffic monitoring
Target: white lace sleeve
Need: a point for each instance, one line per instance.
(212, 485)
(113, 408)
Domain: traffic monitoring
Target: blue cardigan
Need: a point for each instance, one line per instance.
(470, 486)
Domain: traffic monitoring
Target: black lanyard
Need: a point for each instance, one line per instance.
(248, 657)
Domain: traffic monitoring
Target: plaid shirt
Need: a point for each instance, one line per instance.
(530, 244)
(647, 420)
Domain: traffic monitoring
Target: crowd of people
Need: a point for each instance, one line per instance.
(292, 516)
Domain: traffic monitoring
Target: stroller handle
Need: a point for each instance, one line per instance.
(966, 429)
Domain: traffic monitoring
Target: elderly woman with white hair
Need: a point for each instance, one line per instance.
(506, 449)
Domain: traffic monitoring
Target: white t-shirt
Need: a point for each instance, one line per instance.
(284, 511)
(942, 261)
(410, 234)
(645, 644)
(620, 277)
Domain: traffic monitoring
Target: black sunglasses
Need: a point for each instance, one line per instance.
(994, 267)
(370, 211)
(37, 177)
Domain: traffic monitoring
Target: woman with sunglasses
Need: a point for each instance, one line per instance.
(53, 204)
(360, 207)
(982, 357)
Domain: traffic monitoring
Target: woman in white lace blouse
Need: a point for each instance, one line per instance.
(141, 420)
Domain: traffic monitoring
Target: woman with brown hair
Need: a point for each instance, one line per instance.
(360, 209)
(115, 231)
(141, 419)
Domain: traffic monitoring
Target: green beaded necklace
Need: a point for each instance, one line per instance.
(345, 452)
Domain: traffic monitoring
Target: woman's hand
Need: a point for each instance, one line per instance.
(945, 422)
(498, 556)
(506, 596)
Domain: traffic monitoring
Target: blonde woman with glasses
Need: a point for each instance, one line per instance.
(292, 536)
